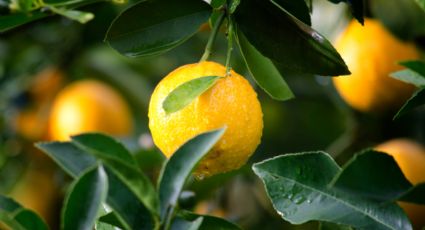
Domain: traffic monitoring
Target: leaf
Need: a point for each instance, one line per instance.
(71, 159)
(417, 66)
(154, 27)
(80, 16)
(298, 9)
(208, 223)
(84, 200)
(112, 219)
(416, 100)
(17, 217)
(132, 213)
(357, 9)
(415, 194)
(286, 40)
(421, 3)
(297, 185)
(104, 146)
(189, 225)
(374, 175)
(332, 226)
(180, 165)
(11, 21)
(187, 92)
(410, 77)
(264, 72)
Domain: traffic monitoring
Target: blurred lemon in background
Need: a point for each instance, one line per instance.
(410, 157)
(371, 53)
(89, 106)
(231, 102)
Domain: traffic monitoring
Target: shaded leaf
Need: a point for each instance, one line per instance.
(264, 72)
(297, 185)
(417, 66)
(112, 219)
(286, 40)
(299, 9)
(374, 175)
(139, 30)
(332, 226)
(416, 100)
(414, 194)
(410, 77)
(187, 92)
(84, 200)
(180, 165)
(104, 147)
(69, 157)
(11, 21)
(208, 223)
(421, 3)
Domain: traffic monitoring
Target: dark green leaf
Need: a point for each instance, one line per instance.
(30, 220)
(373, 175)
(180, 165)
(264, 72)
(357, 9)
(416, 100)
(217, 3)
(415, 194)
(132, 213)
(409, 76)
(208, 223)
(154, 27)
(298, 9)
(332, 226)
(11, 21)
(104, 147)
(84, 200)
(17, 217)
(112, 219)
(187, 92)
(70, 158)
(297, 185)
(286, 40)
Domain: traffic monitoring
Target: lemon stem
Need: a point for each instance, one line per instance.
(213, 36)
(229, 45)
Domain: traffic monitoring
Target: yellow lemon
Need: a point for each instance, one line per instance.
(410, 156)
(231, 102)
(89, 106)
(371, 53)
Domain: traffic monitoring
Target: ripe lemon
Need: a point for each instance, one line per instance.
(372, 53)
(231, 102)
(89, 106)
(410, 157)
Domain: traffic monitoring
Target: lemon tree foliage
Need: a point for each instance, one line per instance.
(106, 173)
(414, 74)
(311, 186)
(13, 215)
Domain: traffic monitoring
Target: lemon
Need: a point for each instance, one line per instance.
(89, 106)
(371, 53)
(231, 102)
(410, 156)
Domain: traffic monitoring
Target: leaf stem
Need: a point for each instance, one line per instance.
(229, 44)
(213, 35)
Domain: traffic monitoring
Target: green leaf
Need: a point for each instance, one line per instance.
(374, 175)
(234, 5)
(332, 226)
(17, 217)
(297, 185)
(416, 100)
(132, 213)
(286, 40)
(208, 223)
(104, 147)
(421, 3)
(69, 157)
(298, 9)
(112, 219)
(187, 92)
(264, 72)
(180, 165)
(410, 77)
(414, 194)
(84, 200)
(80, 16)
(155, 26)
(11, 21)
(417, 66)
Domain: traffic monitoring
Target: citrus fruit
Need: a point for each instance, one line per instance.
(230, 102)
(371, 53)
(89, 106)
(410, 156)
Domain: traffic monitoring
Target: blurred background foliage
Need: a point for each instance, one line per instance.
(39, 59)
